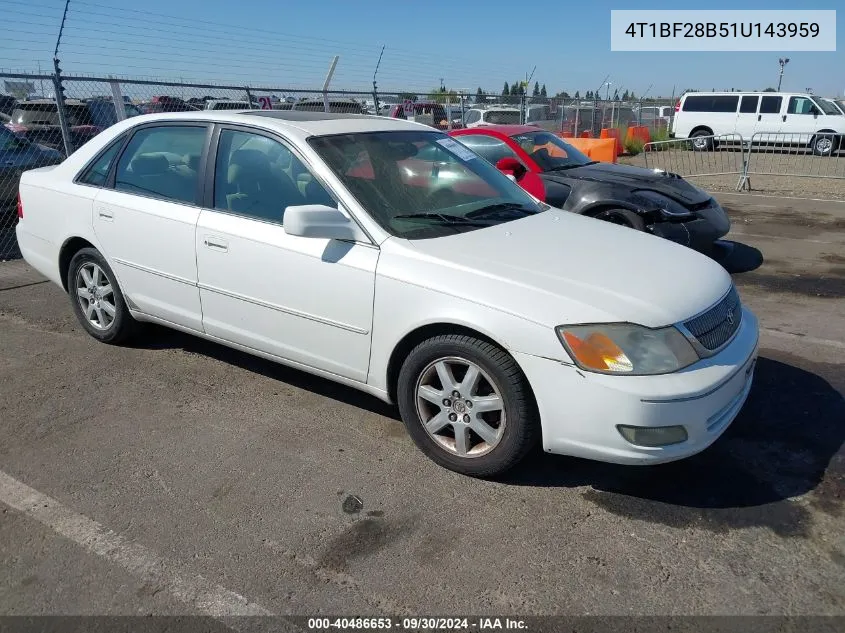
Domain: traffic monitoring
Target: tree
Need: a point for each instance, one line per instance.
(506, 90)
(516, 88)
(444, 95)
(480, 96)
(625, 96)
(536, 91)
(543, 91)
(770, 89)
(589, 95)
(616, 95)
(577, 95)
(407, 96)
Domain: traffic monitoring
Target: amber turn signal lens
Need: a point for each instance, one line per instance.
(598, 351)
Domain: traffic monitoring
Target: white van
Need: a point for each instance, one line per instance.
(495, 115)
(790, 118)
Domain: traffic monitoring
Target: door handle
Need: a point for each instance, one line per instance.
(759, 117)
(105, 213)
(783, 118)
(216, 243)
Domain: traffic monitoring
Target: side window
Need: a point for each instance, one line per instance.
(748, 105)
(259, 177)
(98, 172)
(490, 148)
(801, 105)
(770, 105)
(162, 162)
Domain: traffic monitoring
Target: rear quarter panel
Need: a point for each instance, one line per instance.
(55, 210)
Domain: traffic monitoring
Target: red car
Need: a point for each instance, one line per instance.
(553, 171)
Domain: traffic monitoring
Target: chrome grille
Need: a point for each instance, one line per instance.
(716, 326)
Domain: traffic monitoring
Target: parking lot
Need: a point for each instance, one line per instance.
(177, 476)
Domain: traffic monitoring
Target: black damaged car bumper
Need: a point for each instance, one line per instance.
(700, 232)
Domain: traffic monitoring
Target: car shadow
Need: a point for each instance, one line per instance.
(736, 257)
(785, 443)
(159, 337)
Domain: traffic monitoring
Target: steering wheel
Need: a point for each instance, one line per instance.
(439, 198)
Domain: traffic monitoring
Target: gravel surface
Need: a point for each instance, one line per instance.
(177, 476)
(781, 172)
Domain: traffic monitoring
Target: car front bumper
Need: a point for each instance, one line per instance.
(580, 410)
(709, 225)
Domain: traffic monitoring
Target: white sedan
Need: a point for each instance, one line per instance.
(382, 254)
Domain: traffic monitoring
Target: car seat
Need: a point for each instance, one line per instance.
(256, 189)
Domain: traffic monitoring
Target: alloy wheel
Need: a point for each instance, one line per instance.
(95, 295)
(460, 407)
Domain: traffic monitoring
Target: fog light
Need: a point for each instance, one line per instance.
(653, 435)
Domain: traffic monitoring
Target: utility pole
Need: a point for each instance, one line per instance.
(326, 83)
(783, 61)
(375, 86)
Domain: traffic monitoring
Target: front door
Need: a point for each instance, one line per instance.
(302, 299)
(800, 120)
(146, 223)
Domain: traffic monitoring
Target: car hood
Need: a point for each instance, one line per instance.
(31, 156)
(556, 268)
(663, 182)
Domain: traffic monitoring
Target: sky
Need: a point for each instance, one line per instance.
(467, 45)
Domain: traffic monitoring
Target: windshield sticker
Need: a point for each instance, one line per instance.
(456, 148)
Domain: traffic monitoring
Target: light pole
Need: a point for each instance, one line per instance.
(783, 61)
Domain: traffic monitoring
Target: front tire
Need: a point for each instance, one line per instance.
(825, 144)
(467, 405)
(97, 299)
(622, 217)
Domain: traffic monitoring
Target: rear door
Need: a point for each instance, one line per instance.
(146, 220)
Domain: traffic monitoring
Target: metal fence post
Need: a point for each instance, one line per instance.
(248, 96)
(60, 106)
(117, 99)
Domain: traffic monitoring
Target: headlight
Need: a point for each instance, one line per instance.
(664, 203)
(625, 348)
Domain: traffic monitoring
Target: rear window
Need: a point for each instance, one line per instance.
(708, 103)
(503, 117)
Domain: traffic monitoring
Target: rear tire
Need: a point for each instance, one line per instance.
(467, 405)
(700, 144)
(97, 299)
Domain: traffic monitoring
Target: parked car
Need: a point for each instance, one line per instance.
(493, 320)
(776, 117)
(428, 113)
(165, 103)
(839, 104)
(343, 106)
(553, 171)
(494, 115)
(226, 104)
(38, 120)
(16, 156)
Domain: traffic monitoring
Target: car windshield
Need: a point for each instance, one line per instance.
(549, 151)
(419, 184)
(828, 107)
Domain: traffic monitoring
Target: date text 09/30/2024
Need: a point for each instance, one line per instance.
(417, 624)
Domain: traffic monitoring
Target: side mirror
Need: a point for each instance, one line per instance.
(322, 222)
(510, 165)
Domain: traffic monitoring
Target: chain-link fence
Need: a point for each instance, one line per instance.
(32, 118)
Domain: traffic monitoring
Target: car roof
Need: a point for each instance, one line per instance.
(295, 123)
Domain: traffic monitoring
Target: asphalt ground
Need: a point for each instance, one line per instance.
(179, 477)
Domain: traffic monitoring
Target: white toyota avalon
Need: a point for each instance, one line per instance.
(384, 255)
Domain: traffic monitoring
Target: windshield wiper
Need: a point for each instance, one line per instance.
(440, 217)
(492, 209)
